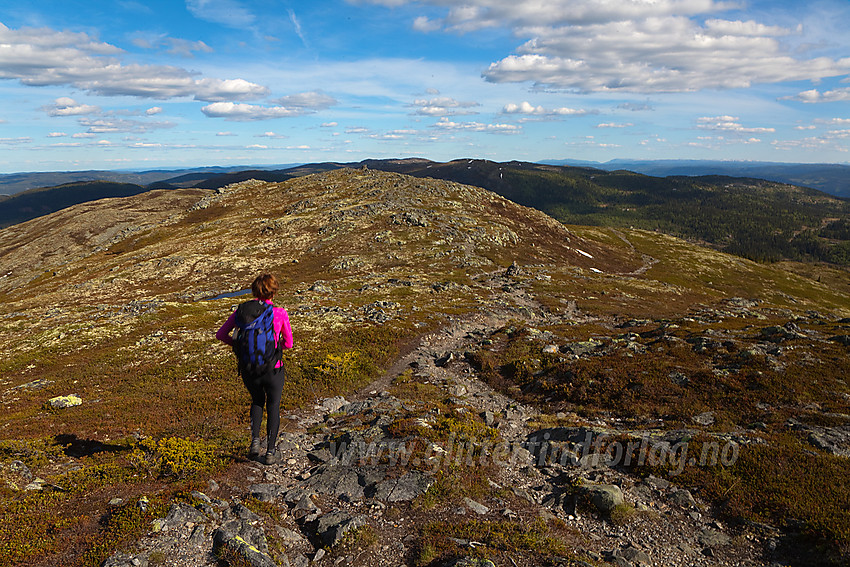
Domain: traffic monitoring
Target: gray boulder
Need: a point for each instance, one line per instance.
(835, 440)
(635, 556)
(291, 538)
(582, 347)
(333, 526)
(64, 402)
(239, 538)
(305, 508)
(713, 538)
(405, 488)
(179, 515)
(705, 418)
(337, 480)
(476, 507)
(777, 334)
(265, 492)
(604, 497)
(332, 405)
(684, 499)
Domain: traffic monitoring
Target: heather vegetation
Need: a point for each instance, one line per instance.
(455, 323)
(671, 372)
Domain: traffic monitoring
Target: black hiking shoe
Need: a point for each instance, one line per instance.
(272, 456)
(256, 445)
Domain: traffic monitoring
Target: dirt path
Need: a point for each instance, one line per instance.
(509, 302)
(648, 261)
(425, 350)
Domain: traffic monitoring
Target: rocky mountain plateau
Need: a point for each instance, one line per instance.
(473, 383)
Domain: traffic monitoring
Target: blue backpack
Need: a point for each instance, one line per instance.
(254, 338)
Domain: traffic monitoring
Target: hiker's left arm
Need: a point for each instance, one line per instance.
(285, 331)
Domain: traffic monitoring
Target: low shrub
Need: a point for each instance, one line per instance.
(438, 539)
(174, 457)
(778, 483)
(120, 526)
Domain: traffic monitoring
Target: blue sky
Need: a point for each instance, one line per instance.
(131, 84)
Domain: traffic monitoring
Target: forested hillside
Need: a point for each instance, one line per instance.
(38, 202)
(757, 219)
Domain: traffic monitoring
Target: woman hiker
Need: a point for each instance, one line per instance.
(264, 376)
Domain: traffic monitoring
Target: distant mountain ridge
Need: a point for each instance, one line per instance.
(13, 183)
(39, 202)
(827, 177)
(753, 218)
(830, 178)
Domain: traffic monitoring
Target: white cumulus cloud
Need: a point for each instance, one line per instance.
(632, 45)
(444, 106)
(47, 57)
(392, 135)
(313, 100)
(446, 124)
(526, 107)
(729, 124)
(172, 45)
(248, 112)
(835, 140)
(814, 95)
(833, 121)
(113, 125)
(285, 107)
(65, 106)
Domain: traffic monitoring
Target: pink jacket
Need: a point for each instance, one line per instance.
(282, 330)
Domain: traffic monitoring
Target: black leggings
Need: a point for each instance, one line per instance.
(266, 391)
